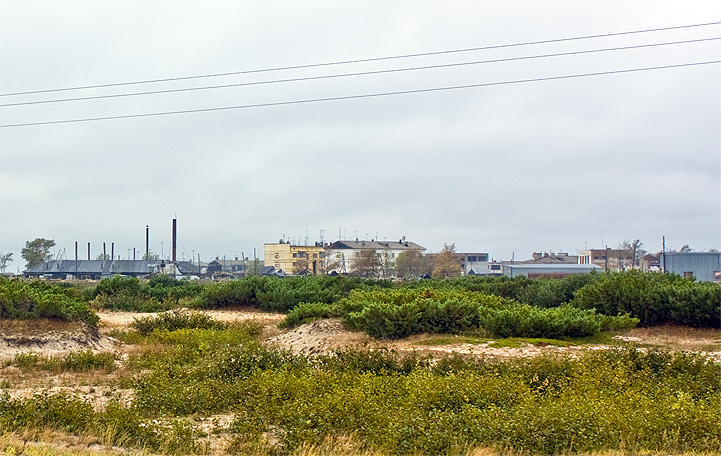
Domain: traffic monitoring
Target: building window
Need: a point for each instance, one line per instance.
(315, 255)
(687, 274)
(295, 255)
(717, 276)
(277, 256)
(322, 254)
(495, 267)
(472, 258)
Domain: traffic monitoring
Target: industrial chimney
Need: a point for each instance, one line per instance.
(175, 236)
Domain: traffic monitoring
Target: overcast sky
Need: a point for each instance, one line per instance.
(556, 165)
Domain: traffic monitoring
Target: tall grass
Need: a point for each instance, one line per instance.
(619, 400)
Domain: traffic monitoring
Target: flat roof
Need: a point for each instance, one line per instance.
(552, 266)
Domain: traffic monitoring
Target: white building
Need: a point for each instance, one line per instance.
(341, 254)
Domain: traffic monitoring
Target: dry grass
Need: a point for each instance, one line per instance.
(54, 443)
(679, 337)
(39, 326)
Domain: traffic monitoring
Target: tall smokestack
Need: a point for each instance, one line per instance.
(147, 242)
(88, 251)
(112, 250)
(175, 236)
(105, 253)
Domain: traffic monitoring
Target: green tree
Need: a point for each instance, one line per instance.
(37, 252)
(448, 264)
(150, 256)
(5, 258)
(102, 256)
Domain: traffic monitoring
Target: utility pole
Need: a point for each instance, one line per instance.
(663, 254)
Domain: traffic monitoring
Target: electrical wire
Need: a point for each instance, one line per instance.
(363, 73)
(373, 59)
(354, 97)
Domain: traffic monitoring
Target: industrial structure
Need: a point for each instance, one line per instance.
(703, 266)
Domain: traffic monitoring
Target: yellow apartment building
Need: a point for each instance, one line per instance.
(295, 259)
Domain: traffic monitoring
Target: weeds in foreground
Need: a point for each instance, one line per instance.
(381, 402)
(76, 361)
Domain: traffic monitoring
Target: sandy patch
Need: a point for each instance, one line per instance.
(51, 338)
(327, 336)
(320, 337)
(123, 320)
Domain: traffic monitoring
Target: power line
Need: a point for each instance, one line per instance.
(362, 73)
(353, 97)
(372, 59)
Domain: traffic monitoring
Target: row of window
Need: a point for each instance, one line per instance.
(306, 255)
(478, 257)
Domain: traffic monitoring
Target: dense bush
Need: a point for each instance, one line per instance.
(522, 320)
(551, 292)
(620, 400)
(282, 295)
(160, 293)
(20, 299)
(387, 321)
(653, 298)
(400, 313)
(306, 312)
(174, 320)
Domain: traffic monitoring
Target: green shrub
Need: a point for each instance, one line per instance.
(400, 313)
(282, 294)
(521, 320)
(76, 361)
(114, 285)
(28, 300)
(615, 400)
(653, 298)
(306, 312)
(45, 410)
(394, 314)
(232, 293)
(86, 360)
(618, 323)
(124, 301)
(174, 320)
